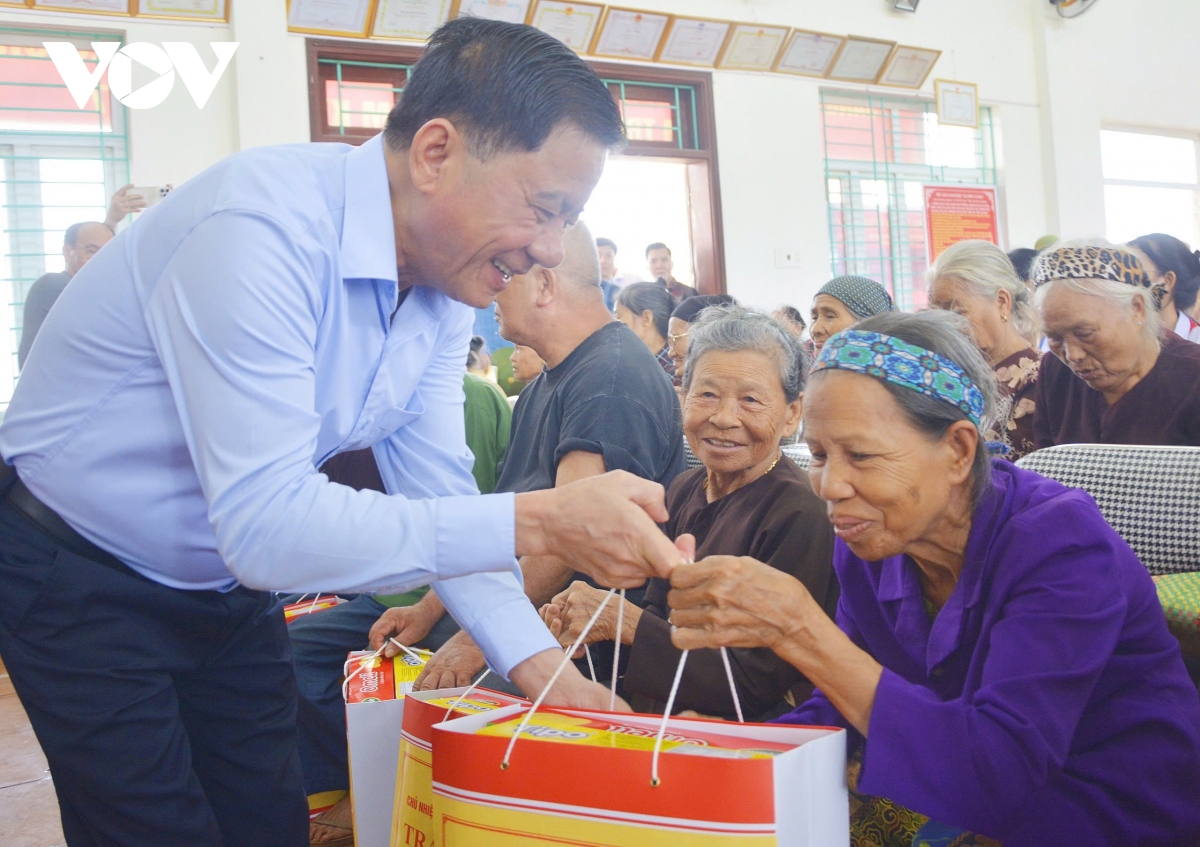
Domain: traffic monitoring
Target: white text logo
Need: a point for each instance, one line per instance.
(118, 61)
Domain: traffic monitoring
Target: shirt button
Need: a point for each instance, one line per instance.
(938, 672)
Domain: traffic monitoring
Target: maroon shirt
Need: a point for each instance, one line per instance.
(1163, 408)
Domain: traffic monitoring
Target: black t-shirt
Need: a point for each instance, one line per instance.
(609, 396)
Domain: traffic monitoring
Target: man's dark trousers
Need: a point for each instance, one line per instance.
(168, 717)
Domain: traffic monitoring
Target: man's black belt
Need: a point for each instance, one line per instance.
(49, 521)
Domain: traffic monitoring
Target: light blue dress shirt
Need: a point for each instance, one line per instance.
(196, 372)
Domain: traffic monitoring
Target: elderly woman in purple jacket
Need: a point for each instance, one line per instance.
(1000, 656)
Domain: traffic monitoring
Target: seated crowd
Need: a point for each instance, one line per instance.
(996, 641)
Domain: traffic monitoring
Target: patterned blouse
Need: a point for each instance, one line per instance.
(1017, 380)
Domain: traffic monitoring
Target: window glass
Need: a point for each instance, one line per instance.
(1142, 157)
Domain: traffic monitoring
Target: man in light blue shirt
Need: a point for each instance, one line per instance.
(289, 304)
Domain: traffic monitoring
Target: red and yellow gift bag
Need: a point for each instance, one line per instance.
(413, 820)
(583, 778)
(375, 692)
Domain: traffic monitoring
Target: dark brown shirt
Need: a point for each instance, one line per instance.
(1162, 408)
(1016, 377)
(776, 519)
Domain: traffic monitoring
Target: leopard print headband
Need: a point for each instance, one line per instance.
(1111, 263)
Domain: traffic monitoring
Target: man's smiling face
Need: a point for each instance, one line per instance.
(491, 219)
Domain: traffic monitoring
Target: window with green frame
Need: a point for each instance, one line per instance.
(879, 153)
(59, 164)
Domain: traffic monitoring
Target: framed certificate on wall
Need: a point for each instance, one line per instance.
(329, 17)
(957, 102)
(512, 11)
(185, 10)
(104, 7)
(809, 53)
(909, 67)
(752, 47)
(574, 24)
(409, 20)
(694, 41)
(861, 59)
(630, 34)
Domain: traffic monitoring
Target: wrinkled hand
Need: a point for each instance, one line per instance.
(568, 613)
(456, 664)
(728, 601)
(604, 525)
(406, 624)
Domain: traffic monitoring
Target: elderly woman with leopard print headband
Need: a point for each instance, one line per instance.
(999, 656)
(1117, 375)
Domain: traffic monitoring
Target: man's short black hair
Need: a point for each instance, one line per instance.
(506, 87)
(657, 245)
(607, 242)
(71, 235)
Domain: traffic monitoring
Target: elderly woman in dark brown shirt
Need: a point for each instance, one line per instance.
(1117, 375)
(743, 392)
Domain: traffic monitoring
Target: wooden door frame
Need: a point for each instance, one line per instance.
(703, 178)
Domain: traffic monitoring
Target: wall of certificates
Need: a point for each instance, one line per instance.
(615, 32)
(210, 11)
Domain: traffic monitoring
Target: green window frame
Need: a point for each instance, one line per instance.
(879, 151)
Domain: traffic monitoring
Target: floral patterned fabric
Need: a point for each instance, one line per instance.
(1016, 377)
(878, 822)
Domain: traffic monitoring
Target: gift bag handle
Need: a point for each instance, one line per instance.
(662, 729)
(369, 661)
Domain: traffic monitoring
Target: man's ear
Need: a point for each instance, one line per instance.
(435, 146)
(546, 285)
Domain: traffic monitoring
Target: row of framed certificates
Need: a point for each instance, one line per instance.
(214, 11)
(619, 33)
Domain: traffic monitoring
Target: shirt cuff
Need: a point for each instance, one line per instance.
(510, 634)
(475, 533)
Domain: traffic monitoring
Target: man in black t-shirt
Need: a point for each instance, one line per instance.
(602, 403)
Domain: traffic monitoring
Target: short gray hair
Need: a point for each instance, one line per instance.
(986, 270)
(948, 335)
(733, 328)
(1118, 293)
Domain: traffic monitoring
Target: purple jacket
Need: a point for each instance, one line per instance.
(1047, 703)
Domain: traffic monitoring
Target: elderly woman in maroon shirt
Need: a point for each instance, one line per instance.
(999, 650)
(1117, 376)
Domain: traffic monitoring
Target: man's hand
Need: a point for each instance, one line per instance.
(122, 204)
(570, 690)
(406, 624)
(455, 665)
(604, 525)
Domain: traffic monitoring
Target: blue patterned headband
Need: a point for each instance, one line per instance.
(906, 365)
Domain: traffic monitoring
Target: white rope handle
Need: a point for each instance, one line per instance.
(612, 697)
(420, 659)
(466, 693)
(591, 667)
(662, 727)
(363, 663)
(315, 601)
(737, 703)
(537, 704)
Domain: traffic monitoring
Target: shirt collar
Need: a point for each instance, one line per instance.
(368, 248)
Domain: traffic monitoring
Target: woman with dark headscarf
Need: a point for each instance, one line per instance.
(844, 301)
(1175, 267)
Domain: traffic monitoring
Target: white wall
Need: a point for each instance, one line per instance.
(1052, 85)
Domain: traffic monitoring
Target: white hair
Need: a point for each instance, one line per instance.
(1118, 293)
(986, 270)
